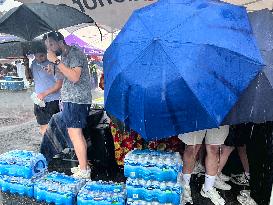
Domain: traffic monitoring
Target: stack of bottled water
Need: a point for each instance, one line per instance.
(153, 177)
(102, 193)
(141, 202)
(58, 188)
(19, 170)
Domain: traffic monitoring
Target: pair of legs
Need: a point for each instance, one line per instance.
(189, 158)
(238, 137)
(75, 117)
(44, 114)
(214, 138)
(225, 153)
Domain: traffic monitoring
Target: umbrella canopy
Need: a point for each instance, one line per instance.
(255, 104)
(18, 49)
(110, 14)
(31, 20)
(86, 48)
(166, 75)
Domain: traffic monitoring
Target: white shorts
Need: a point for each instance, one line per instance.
(215, 136)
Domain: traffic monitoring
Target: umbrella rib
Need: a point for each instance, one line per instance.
(147, 28)
(39, 17)
(184, 21)
(169, 59)
(138, 56)
(221, 79)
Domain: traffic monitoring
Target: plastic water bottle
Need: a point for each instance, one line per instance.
(36, 100)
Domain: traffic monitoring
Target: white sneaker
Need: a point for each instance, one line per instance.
(213, 195)
(245, 193)
(83, 174)
(186, 198)
(76, 169)
(240, 179)
(224, 177)
(220, 184)
(246, 200)
(198, 169)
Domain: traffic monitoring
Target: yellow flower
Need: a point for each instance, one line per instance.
(117, 145)
(113, 131)
(138, 137)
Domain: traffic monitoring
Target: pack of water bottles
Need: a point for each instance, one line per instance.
(142, 202)
(19, 170)
(21, 163)
(149, 190)
(102, 193)
(153, 165)
(19, 185)
(57, 188)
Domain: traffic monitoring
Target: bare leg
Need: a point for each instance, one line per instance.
(212, 159)
(43, 129)
(80, 146)
(243, 157)
(189, 158)
(224, 155)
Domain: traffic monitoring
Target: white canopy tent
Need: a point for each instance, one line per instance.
(112, 14)
(99, 38)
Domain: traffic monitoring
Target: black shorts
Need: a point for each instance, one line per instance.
(239, 135)
(44, 114)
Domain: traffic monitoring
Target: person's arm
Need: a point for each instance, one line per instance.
(57, 86)
(101, 84)
(72, 74)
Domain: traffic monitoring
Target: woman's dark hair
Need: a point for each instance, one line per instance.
(55, 35)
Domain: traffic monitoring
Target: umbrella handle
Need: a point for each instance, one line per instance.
(99, 31)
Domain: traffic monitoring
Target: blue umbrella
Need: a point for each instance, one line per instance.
(179, 66)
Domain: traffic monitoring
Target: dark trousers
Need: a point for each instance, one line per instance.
(260, 156)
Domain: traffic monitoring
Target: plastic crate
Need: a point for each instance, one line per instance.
(3, 84)
(58, 188)
(15, 85)
(8, 78)
(21, 163)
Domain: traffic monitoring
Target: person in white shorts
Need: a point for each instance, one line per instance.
(214, 138)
